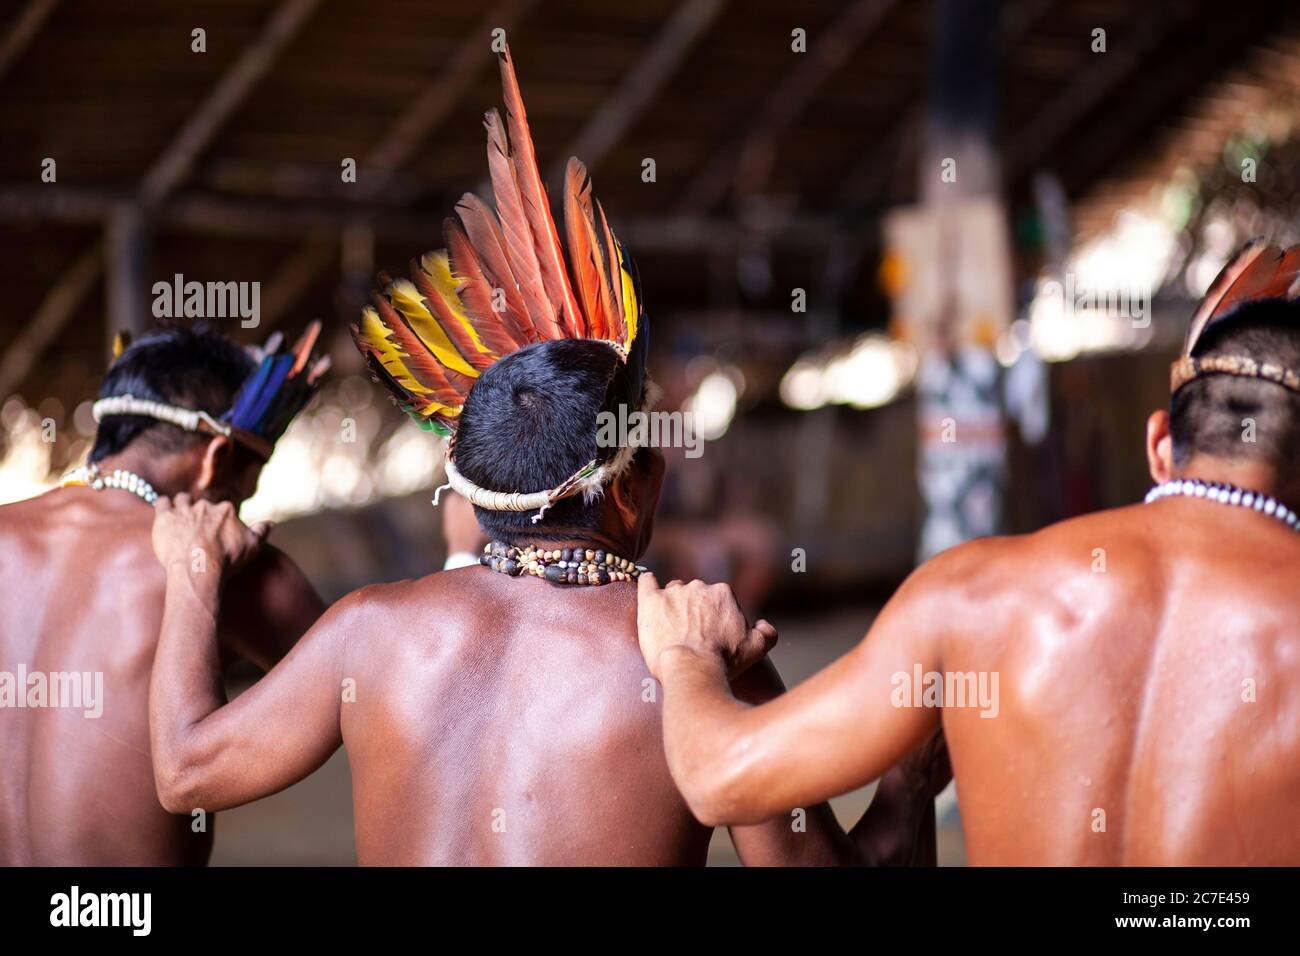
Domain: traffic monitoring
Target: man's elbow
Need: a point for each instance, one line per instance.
(177, 782)
(719, 790)
(173, 794)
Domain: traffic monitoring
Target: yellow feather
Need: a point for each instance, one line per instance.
(375, 334)
(437, 266)
(630, 307)
(406, 299)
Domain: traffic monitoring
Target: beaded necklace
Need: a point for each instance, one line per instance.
(1226, 494)
(91, 477)
(589, 566)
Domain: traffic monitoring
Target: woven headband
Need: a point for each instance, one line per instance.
(589, 480)
(1186, 369)
(190, 419)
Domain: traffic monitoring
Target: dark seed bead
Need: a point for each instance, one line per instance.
(513, 568)
(572, 577)
(599, 556)
(601, 576)
(567, 554)
(555, 575)
(485, 561)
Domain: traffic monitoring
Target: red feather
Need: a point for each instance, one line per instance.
(500, 331)
(616, 330)
(489, 245)
(520, 251)
(589, 274)
(546, 239)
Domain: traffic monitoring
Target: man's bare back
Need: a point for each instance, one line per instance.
(1149, 668)
(81, 592)
(505, 721)
(488, 720)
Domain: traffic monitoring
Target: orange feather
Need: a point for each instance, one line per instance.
(520, 251)
(546, 239)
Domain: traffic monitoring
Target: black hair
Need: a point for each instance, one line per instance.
(189, 366)
(530, 422)
(1228, 416)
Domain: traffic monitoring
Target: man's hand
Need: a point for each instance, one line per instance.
(181, 526)
(702, 618)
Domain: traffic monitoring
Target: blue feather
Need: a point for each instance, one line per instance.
(280, 368)
(248, 394)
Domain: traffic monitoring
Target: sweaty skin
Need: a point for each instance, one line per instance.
(80, 590)
(487, 719)
(1156, 694)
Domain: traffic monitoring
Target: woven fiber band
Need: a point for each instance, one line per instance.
(1186, 369)
(589, 479)
(190, 419)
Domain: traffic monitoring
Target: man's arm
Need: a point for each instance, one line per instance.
(211, 754)
(836, 731)
(819, 841)
(896, 830)
(899, 828)
(266, 607)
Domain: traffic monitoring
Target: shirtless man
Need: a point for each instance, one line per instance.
(1146, 709)
(488, 718)
(82, 594)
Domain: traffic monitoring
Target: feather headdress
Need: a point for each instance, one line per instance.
(284, 381)
(1258, 271)
(504, 282)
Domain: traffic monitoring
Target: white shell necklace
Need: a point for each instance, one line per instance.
(91, 477)
(1226, 494)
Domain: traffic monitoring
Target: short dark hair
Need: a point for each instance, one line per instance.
(1209, 414)
(191, 366)
(530, 422)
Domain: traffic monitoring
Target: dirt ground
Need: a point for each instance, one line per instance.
(311, 824)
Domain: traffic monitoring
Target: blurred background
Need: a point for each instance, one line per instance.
(917, 267)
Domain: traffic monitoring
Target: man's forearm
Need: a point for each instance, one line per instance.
(186, 684)
(898, 828)
(701, 733)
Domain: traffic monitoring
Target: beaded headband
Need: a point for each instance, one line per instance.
(265, 404)
(503, 284)
(1258, 271)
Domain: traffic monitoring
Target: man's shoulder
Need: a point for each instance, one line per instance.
(441, 591)
(22, 519)
(1055, 547)
(1051, 570)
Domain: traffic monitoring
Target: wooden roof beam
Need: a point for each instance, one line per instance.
(747, 165)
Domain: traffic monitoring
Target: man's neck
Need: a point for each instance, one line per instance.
(160, 472)
(1250, 476)
(586, 540)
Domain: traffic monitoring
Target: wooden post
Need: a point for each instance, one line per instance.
(128, 304)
